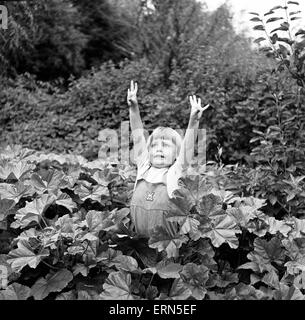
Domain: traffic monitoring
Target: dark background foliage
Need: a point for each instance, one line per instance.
(66, 66)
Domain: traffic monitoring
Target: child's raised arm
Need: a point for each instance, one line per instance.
(136, 124)
(188, 143)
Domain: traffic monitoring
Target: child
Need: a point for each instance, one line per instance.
(160, 162)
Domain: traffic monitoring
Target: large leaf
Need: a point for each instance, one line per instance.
(178, 291)
(188, 224)
(6, 208)
(106, 221)
(64, 200)
(21, 168)
(210, 204)
(196, 186)
(5, 169)
(296, 253)
(288, 293)
(24, 255)
(125, 263)
(195, 278)
(221, 229)
(94, 192)
(15, 291)
(118, 287)
(298, 228)
(108, 257)
(15, 191)
(166, 269)
(53, 282)
(265, 252)
(34, 210)
(162, 240)
(279, 226)
(48, 181)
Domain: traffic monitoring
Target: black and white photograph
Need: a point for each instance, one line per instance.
(152, 151)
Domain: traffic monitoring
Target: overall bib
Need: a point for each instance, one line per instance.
(149, 207)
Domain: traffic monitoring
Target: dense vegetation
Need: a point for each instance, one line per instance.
(64, 219)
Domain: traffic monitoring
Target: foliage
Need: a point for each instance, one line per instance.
(59, 241)
(278, 141)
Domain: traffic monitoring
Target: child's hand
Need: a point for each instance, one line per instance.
(132, 100)
(196, 109)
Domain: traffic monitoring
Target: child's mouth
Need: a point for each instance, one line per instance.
(160, 156)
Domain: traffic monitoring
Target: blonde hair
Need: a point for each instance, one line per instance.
(169, 133)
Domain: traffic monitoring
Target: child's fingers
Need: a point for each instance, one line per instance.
(199, 101)
(136, 87)
(131, 85)
(205, 107)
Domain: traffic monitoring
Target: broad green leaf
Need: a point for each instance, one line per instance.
(296, 252)
(94, 221)
(195, 278)
(53, 282)
(125, 263)
(88, 295)
(186, 222)
(34, 210)
(107, 257)
(162, 240)
(178, 291)
(66, 225)
(288, 293)
(226, 278)
(103, 178)
(21, 168)
(15, 191)
(15, 291)
(248, 292)
(271, 279)
(24, 255)
(5, 169)
(298, 229)
(80, 268)
(221, 229)
(265, 252)
(278, 226)
(118, 287)
(166, 269)
(210, 204)
(70, 295)
(6, 208)
(48, 181)
(64, 200)
(196, 186)
(87, 191)
(111, 221)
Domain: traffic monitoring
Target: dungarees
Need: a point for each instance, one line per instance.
(149, 206)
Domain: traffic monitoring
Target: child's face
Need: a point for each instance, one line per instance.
(162, 152)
